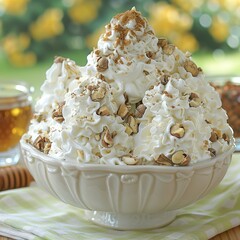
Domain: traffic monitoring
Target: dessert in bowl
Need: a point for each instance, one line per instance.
(123, 197)
(135, 134)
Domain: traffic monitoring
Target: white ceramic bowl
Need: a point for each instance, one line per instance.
(126, 197)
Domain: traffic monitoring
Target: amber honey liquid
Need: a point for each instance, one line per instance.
(15, 114)
(13, 124)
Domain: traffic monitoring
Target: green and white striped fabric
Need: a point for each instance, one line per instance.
(30, 213)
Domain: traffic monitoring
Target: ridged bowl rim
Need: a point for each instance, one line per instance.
(123, 168)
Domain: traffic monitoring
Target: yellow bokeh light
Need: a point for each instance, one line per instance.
(219, 29)
(48, 25)
(15, 112)
(14, 6)
(167, 19)
(188, 6)
(83, 12)
(186, 42)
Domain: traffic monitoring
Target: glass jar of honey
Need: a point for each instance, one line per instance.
(15, 115)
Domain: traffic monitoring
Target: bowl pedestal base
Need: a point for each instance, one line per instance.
(130, 221)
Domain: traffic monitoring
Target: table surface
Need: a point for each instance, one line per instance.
(232, 234)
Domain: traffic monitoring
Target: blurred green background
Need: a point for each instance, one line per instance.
(32, 32)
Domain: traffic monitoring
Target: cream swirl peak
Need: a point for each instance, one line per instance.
(138, 100)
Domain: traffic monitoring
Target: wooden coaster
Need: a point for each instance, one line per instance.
(10, 177)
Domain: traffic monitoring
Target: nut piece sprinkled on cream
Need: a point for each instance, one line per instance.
(138, 100)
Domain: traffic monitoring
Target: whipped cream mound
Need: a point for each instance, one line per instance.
(138, 100)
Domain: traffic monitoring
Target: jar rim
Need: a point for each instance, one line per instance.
(15, 92)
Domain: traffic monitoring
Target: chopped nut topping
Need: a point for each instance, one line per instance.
(39, 143)
(215, 135)
(162, 42)
(177, 57)
(114, 134)
(97, 137)
(163, 160)
(128, 130)
(168, 49)
(150, 55)
(145, 72)
(97, 52)
(43, 144)
(194, 100)
(103, 78)
(148, 61)
(168, 94)
(130, 15)
(47, 147)
(133, 124)
(129, 160)
(80, 154)
(191, 67)
(141, 57)
(57, 113)
(92, 87)
(39, 117)
(103, 111)
(121, 38)
(102, 64)
(205, 143)
(218, 132)
(126, 97)
(59, 119)
(140, 110)
(193, 95)
(122, 110)
(97, 94)
(107, 138)
(164, 79)
(29, 140)
(177, 130)
(212, 152)
(100, 76)
(180, 158)
(98, 154)
(59, 59)
(72, 69)
(226, 138)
